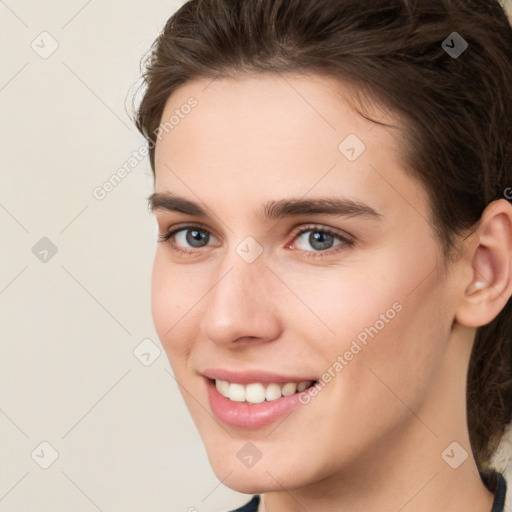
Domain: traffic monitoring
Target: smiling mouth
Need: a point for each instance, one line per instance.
(258, 392)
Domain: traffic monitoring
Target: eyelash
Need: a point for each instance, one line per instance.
(346, 241)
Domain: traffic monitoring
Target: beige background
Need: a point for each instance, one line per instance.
(70, 323)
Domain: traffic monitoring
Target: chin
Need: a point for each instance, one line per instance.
(250, 486)
(251, 482)
(264, 476)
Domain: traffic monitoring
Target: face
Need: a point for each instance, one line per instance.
(268, 285)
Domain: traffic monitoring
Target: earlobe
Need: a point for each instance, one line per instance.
(491, 267)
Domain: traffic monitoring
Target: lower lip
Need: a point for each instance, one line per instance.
(244, 415)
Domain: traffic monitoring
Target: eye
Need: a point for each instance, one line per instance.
(321, 240)
(188, 239)
(195, 236)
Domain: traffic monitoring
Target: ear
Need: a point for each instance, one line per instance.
(490, 259)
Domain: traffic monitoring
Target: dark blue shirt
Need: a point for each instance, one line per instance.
(493, 480)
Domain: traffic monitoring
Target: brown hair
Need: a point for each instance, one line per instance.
(457, 110)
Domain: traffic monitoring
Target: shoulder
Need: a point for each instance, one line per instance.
(251, 506)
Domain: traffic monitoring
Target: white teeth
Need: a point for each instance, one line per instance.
(289, 389)
(222, 387)
(303, 385)
(256, 393)
(273, 392)
(236, 392)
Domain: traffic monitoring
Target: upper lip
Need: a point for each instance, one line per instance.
(250, 376)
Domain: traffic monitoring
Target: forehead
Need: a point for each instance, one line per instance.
(269, 135)
(278, 109)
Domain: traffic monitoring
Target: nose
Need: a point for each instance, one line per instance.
(241, 305)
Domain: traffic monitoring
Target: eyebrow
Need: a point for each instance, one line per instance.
(336, 206)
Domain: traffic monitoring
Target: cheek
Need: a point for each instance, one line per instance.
(397, 371)
(346, 304)
(381, 320)
(170, 298)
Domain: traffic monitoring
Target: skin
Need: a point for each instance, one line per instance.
(372, 438)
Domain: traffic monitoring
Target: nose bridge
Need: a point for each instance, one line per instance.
(240, 302)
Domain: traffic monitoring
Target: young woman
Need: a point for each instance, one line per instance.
(333, 279)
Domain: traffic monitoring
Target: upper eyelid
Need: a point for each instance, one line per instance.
(320, 227)
(296, 231)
